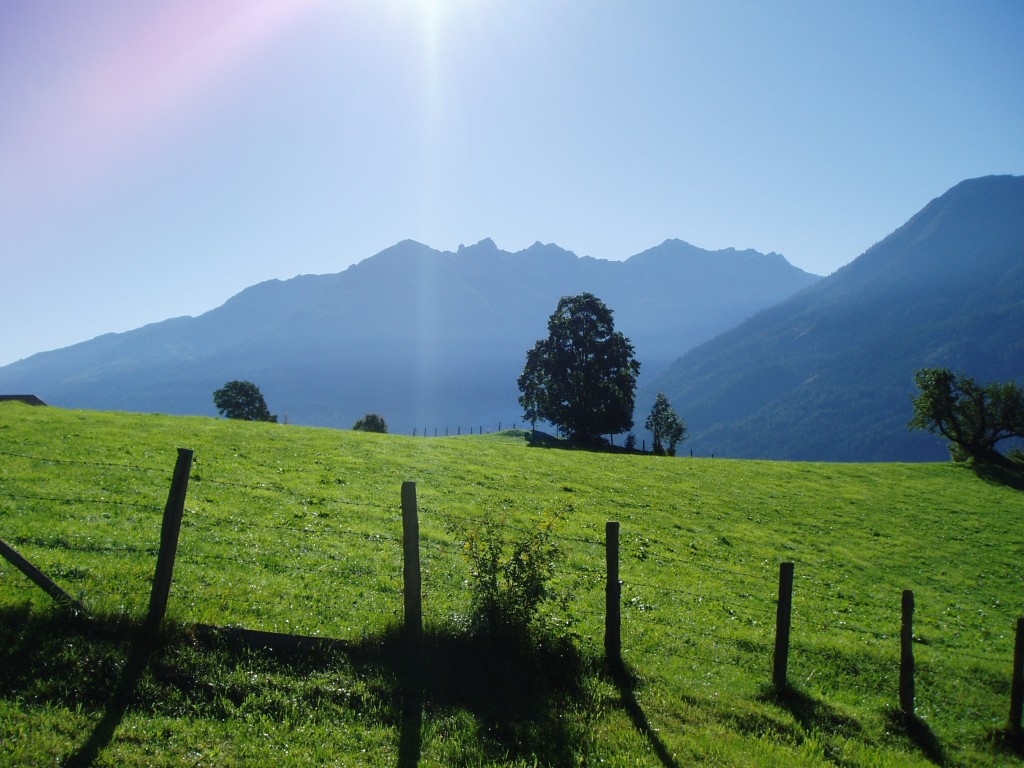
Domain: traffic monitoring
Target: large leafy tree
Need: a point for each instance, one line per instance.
(582, 377)
(972, 417)
(242, 400)
(665, 426)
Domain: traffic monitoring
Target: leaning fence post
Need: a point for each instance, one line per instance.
(907, 655)
(411, 563)
(613, 594)
(783, 617)
(39, 578)
(1017, 683)
(169, 530)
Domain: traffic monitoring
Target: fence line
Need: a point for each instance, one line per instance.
(306, 499)
(673, 556)
(510, 526)
(83, 462)
(73, 500)
(61, 542)
(700, 596)
(328, 531)
(436, 431)
(307, 530)
(741, 651)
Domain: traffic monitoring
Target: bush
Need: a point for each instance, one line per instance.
(510, 577)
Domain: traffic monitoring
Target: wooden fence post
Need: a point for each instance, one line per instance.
(613, 594)
(907, 654)
(411, 579)
(39, 578)
(169, 530)
(783, 618)
(1017, 683)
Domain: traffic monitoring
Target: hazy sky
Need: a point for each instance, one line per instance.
(158, 157)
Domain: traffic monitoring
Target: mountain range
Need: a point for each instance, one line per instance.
(431, 340)
(828, 373)
(761, 359)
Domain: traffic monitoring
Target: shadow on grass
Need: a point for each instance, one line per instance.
(1010, 742)
(919, 733)
(76, 661)
(1001, 471)
(518, 689)
(537, 439)
(103, 732)
(519, 694)
(626, 682)
(811, 713)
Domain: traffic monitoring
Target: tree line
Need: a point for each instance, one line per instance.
(582, 377)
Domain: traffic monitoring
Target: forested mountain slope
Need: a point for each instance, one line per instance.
(828, 373)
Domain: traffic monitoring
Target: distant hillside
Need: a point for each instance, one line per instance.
(428, 339)
(828, 374)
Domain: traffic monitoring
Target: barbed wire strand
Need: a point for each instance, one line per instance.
(84, 462)
(79, 500)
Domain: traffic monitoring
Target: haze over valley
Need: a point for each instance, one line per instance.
(762, 359)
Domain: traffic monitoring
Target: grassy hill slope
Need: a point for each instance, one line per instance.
(296, 530)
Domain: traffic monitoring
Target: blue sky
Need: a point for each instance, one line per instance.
(156, 158)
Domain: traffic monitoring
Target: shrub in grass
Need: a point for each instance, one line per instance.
(511, 572)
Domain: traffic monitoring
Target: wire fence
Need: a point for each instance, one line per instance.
(312, 561)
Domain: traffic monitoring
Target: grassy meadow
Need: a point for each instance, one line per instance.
(297, 530)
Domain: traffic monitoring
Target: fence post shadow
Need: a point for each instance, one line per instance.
(920, 734)
(134, 668)
(411, 683)
(810, 712)
(626, 682)
(410, 738)
(1009, 741)
(410, 688)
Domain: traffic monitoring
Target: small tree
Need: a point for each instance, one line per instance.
(242, 400)
(972, 417)
(665, 426)
(582, 377)
(371, 422)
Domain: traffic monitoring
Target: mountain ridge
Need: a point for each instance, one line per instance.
(417, 334)
(762, 359)
(827, 373)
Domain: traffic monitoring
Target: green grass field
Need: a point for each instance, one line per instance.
(297, 530)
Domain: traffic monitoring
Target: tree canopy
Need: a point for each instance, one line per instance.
(242, 400)
(582, 377)
(665, 425)
(371, 422)
(972, 417)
